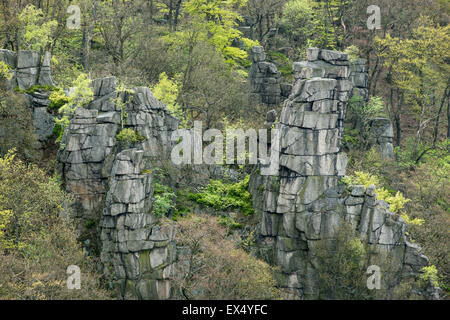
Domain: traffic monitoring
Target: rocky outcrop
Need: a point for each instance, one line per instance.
(381, 135)
(112, 183)
(359, 76)
(380, 129)
(265, 80)
(304, 203)
(28, 69)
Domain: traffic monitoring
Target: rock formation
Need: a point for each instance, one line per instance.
(360, 78)
(112, 182)
(381, 135)
(29, 68)
(304, 203)
(381, 132)
(265, 80)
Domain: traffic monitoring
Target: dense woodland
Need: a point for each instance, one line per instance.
(194, 55)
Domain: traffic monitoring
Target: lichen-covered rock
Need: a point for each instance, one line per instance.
(28, 69)
(309, 205)
(381, 135)
(265, 79)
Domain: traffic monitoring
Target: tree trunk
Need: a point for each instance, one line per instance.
(87, 43)
(448, 118)
(436, 124)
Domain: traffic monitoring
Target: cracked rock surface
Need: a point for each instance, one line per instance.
(303, 203)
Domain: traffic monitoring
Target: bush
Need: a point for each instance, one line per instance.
(342, 267)
(57, 99)
(218, 270)
(130, 136)
(163, 200)
(226, 196)
(396, 201)
(16, 127)
(81, 95)
(37, 242)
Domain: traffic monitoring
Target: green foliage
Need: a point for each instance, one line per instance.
(216, 22)
(228, 222)
(17, 129)
(37, 242)
(37, 30)
(38, 88)
(128, 135)
(166, 91)
(81, 95)
(225, 196)
(364, 112)
(419, 70)
(326, 23)
(430, 273)
(163, 199)
(351, 139)
(419, 63)
(282, 62)
(57, 99)
(353, 52)
(396, 201)
(5, 71)
(342, 266)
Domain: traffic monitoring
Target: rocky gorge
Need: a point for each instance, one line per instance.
(112, 181)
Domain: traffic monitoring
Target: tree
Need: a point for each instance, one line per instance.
(80, 96)
(37, 241)
(263, 18)
(217, 269)
(214, 22)
(120, 21)
(420, 71)
(297, 21)
(37, 32)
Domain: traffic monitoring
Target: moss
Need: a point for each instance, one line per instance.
(144, 262)
(39, 87)
(91, 223)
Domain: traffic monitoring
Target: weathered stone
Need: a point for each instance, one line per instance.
(43, 121)
(28, 59)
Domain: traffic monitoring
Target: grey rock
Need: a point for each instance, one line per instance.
(43, 121)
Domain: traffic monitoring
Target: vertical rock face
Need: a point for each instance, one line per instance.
(265, 79)
(360, 78)
(381, 134)
(112, 182)
(381, 131)
(304, 203)
(29, 68)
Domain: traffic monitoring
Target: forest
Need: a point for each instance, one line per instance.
(90, 92)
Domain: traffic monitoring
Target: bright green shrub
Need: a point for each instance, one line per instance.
(130, 136)
(57, 99)
(225, 196)
(163, 199)
(396, 201)
(430, 273)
